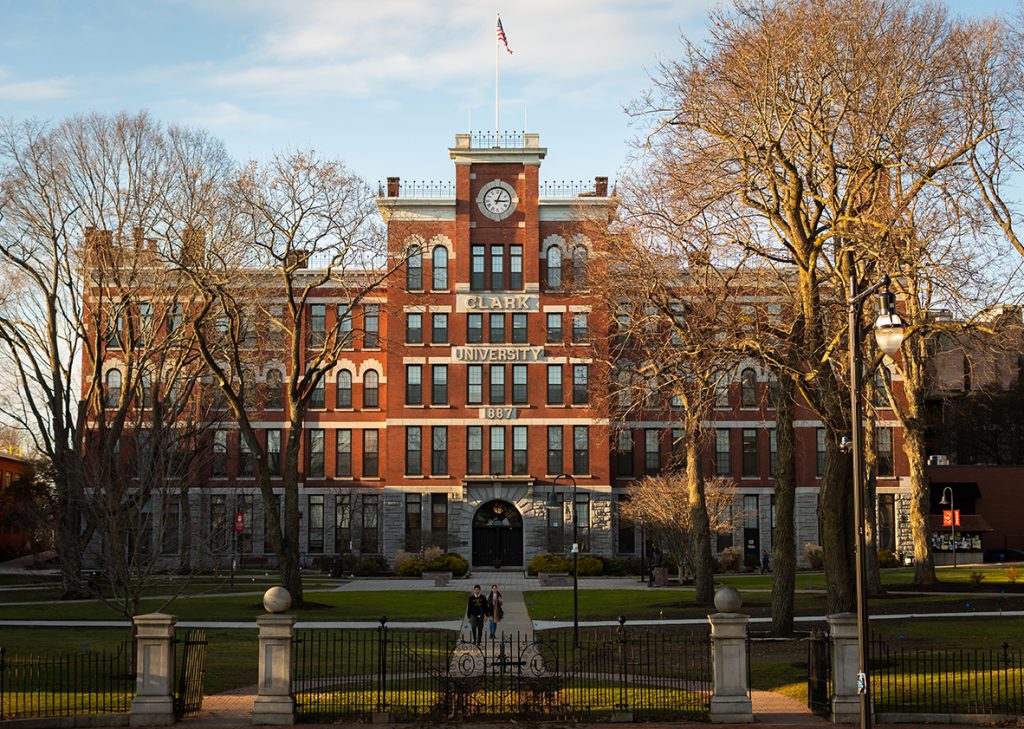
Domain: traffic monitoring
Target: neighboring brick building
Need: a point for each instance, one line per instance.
(471, 384)
(13, 466)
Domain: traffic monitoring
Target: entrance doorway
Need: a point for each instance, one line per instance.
(497, 535)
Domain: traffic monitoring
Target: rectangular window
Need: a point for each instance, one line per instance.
(244, 504)
(474, 450)
(555, 384)
(439, 328)
(474, 328)
(269, 525)
(218, 520)
(413, 450)
(220, 454)
(819, 460)
(439, 520)
(439, 384)
(515, 268)
(245, 460)
(474, 384)
(171, 517)
(580, 449)
(342, 523)
(413, 522)
(371, 457)
(580, 384)
(496, 333)
(369, 542)
(520, 459)
(722, 393)
(751, 455)
(343, 453)
(477, 275)
(316, 523)
(371, 326)
(414, 328)
(624, 453)
(318, 395)
(519, 385)
(274, 452)
(174, 317)
(773, 453)
(554, 328)
(626, 531)
(580, 328)
(316, 453)
(582, 519)
(497, 449)
(652, 451)
(723, 452)
(414, 384)
(555, 459)
(883, 437)
(497, 388)
(555, 526)
(317, 325)
(677, 447)
(497, 268)
(439, 451)
(345, 326)
(519, 334)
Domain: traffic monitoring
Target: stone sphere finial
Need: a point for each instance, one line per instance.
(728, 600)
(277, 600)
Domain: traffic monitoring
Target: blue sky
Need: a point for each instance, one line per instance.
(383, 84)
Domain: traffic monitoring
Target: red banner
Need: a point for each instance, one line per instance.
(239, 521)
(951, 518)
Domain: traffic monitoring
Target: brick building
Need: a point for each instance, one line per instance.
(470, 384)
(14, 465)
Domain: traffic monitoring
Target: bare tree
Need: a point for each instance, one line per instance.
(280, 235)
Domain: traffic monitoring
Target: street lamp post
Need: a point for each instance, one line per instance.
(952, 518)
(553, 503)
(889, 336)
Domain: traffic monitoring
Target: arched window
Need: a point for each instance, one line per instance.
(275, 390)
(371, 389)
(554, 267)
(344, 393)
(748, 388)
(414, 269)
(882, 388)
(440, 264)
(579, 266)
(113, 388)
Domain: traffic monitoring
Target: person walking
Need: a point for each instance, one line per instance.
(476, 611)
(494, 610)
(765, 562)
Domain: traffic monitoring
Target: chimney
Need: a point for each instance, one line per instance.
(393, 187)
(601, 186)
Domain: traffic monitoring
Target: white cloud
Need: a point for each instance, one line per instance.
(33, 89)
(227, 116)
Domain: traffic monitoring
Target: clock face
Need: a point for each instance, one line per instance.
(497, 200)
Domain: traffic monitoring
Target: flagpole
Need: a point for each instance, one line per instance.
(497, 88)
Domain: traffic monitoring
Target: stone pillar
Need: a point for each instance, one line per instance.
(274, 703)
(730, 702)
(845, 699)
(153, 704)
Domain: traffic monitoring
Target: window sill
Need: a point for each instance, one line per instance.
(441, 407)
(372, 410)
(414, 344)
(580, 406)
(415, 407)
(415, 475)
(556, 405)
(348, 409)
(441, 344)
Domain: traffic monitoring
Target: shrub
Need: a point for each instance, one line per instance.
(620, 567)
(368, 566)
(731, 559)
(1012, 575)
(590, 566)
(401, 557)
(431, 553)
(887, 558)
(548, 563)
(412, 567)
(814, 555)
(449, 562)
(976, 578)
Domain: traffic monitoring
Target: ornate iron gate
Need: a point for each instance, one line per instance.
(819, 672)
(188, 696)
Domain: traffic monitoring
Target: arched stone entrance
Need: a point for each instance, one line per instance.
(497, 535)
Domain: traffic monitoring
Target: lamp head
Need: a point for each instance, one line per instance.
(889, 331)
(945, 498)
(552, 502)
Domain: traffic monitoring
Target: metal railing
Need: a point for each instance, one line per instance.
(950, 681)
(504, 140)
(41, 686)
(350, 674)
(419, 188)
(567, 188)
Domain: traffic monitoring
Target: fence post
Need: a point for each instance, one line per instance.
(730, 702)
(274, 703)
(153, 704)
(845, 700)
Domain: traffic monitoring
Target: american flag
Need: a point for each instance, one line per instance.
(501, 36)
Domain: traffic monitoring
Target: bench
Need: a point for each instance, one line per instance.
(554, 579)
(441, 579)
(253, 561)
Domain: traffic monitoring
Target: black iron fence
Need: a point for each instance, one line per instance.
(951, 681)
(819, 672)
(350, 674)
(190, 665)
(40, 686)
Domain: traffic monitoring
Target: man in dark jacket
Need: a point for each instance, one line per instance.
(476, 611)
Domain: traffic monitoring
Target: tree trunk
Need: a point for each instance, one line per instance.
(873, 585)
(924, 562)
(700, 525)
(291, 572)
(67, 539)
(835, 517)
(784, 544)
